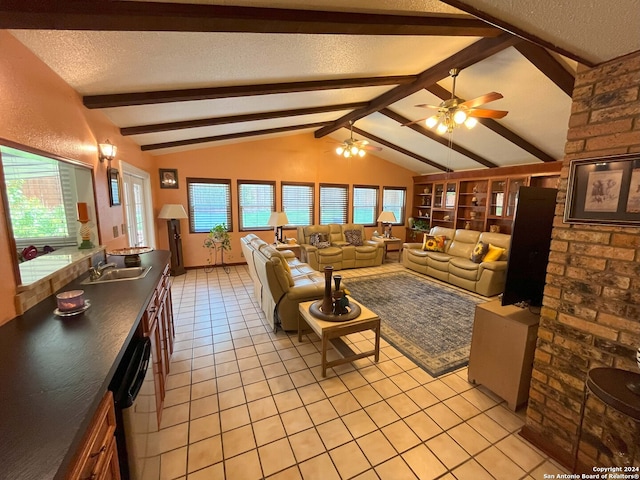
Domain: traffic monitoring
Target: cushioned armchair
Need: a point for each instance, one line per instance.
(341, 246)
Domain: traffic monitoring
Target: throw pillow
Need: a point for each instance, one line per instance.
(493, 254)
(433, 243)
(314, 238)
(479, 251)
(322, 241)
(354, 237)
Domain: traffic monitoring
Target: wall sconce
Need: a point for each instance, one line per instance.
(107, 151)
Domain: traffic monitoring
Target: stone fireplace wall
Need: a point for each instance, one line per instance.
(591, 312)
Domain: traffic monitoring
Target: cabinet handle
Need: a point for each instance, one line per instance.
(153, 309)
(94, 474)
(99, 452)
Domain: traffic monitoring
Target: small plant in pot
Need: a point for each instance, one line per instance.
(218, 239)
(420, 225)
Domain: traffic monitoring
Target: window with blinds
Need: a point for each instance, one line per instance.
(394, 200)
(365, 204)
(42, 199)
(209, 204)
(256, 201)
(334, 200)
(297, 203)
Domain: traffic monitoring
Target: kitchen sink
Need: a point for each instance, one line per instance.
(118, 275)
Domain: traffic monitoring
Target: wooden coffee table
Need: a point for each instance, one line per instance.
(330, 332)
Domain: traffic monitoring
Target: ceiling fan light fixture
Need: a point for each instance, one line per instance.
(470, 122)
(340, 150)
(442, 129)
(460, 116)
(432, 121)
(354, 150)
(362, 153)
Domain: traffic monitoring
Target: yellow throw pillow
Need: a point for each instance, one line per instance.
(433, 243)
(493, 254)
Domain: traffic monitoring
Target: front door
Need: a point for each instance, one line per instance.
(136, 208)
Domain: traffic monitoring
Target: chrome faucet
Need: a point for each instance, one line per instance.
(96, 273)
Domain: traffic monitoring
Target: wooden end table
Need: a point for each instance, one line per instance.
(390, 241)
(330, 332)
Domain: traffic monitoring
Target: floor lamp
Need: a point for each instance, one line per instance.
(387, 218)
(172, 213)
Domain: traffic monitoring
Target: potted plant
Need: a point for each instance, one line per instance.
(421, 225)
(218, 238)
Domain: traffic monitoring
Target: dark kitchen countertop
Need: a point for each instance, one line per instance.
(54, 371)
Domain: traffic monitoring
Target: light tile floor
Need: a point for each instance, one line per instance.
(244, 403)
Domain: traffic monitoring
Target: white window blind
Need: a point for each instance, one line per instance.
(42, 199)
(394, 200)
(297, 203)
(256, 201)
(333, 203)
(365, 204)
(209, 204)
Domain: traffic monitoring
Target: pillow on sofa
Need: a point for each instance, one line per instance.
(433, 243)
(354, 237)
(479, 252)
(319, 240)
(493, 254)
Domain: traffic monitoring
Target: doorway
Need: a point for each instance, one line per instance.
(138, 206)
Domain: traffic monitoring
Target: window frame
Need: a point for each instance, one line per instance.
(376, 188)
(403, 208)
(312, 197)
(343, 186)
(210, 181)
(239, 184)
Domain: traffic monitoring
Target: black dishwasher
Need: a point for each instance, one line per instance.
(137, 421)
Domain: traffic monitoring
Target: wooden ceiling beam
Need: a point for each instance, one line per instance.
(211, 93)
(437, 138)
(474, 53)
(497, 127)
(249, 117)
(548, 65)
(230, 136)
(399, 149)
(182, 17)
(464, 5)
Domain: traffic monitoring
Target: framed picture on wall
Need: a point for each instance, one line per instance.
(168, 178)
(604, 190)
(114, 187)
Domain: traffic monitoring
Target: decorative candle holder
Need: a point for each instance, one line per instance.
(85, 234)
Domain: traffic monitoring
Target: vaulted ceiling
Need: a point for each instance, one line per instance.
(178, 76)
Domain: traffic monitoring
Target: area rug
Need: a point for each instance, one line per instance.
(428, 322)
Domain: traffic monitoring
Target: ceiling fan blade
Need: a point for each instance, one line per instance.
(372, 147)
(426, 105)
(484, 113)
(416, 121)
(481, 100)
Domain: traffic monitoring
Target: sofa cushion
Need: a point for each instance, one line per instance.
(493, 254)
(354, 237)
(328, 251)
(433, 243)
(479, 252)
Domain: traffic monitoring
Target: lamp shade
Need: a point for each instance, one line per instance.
(387, 217)
(278, 219)
(172, 210)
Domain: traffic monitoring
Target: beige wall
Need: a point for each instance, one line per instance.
(39, 110)
(295, 158)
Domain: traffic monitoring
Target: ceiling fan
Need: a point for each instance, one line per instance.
(454, 112)
(352, 147)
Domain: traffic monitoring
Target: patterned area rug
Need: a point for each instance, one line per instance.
(428, 322)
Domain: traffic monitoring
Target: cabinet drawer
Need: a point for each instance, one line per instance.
(95, 453)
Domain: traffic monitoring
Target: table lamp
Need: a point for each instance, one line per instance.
(387, 218)
(173, 213)
(277, 220)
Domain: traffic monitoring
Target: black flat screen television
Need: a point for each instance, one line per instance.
(530, 243)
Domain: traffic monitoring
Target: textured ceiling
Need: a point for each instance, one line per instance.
(131, 61)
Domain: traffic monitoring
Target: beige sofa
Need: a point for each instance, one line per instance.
(277, 287)
(454, 265)
(340, 254)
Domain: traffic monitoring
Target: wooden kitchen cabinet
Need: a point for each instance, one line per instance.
(157, 324)
(97, 458)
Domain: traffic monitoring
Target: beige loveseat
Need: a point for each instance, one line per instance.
(280, 281)
(454, 265)
(339, 252)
